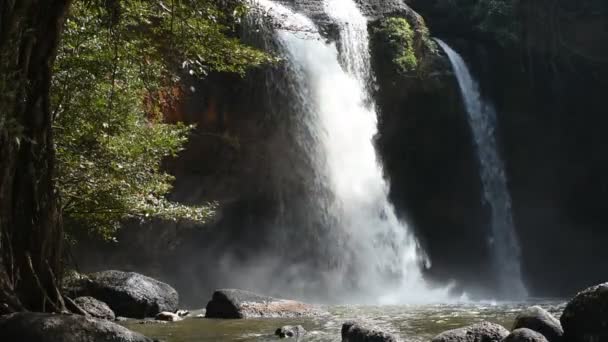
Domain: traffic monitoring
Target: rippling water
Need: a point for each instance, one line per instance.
(413, 323)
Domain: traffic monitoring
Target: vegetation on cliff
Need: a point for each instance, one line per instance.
(397, 37)
(89, 129)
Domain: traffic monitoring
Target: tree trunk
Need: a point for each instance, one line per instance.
(31, 233)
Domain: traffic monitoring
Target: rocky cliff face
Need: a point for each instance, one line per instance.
(549, 90)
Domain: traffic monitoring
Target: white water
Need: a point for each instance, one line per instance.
(384, 255)
(482, 119)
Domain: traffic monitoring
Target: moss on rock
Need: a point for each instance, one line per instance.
(397, 36)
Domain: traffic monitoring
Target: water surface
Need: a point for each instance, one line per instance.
(412, 323)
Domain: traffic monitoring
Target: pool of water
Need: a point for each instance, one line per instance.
(412, 323)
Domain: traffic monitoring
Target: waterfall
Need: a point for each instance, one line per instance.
(503, 239)
(380, 260)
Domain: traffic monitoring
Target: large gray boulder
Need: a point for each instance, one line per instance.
(130, 294)
(232, 303)
(585, 318)
(95, 308)
(525, 335)
(540, 320)
(42, 327)
(478, 332)
(356, 332)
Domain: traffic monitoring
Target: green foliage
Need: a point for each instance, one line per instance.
(398, 37)
(115, 61)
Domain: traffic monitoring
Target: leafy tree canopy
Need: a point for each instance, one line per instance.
(117, 62)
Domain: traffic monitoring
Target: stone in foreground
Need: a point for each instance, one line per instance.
(540, 320)
(95, 308)
(289, 331)
(232, 303)
(41, 327)
(585, 318)
(355, 332)
(479, 332)
(525, 335)
(131, 294)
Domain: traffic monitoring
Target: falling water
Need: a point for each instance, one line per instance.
(482, 119)
(380, 256)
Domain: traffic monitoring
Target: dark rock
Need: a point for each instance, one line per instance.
(131, 294)
(231, 303)
(479, 332)
(525, 335)
(585, 318)
(355, 332)
(95, 308)
(289, 331)
(41, 327)
(540, 320)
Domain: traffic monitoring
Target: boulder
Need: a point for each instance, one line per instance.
(168, 317)
(95, 308)
(585, 318)
(478, 332)
(525, 335)
(540, 320)
(289, 331)
(355, 332)
(42, 327)
(130, 294)
(231, 303)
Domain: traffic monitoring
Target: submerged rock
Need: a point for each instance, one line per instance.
(289, 331)
(95, 308)
(479, 332)
(42, 327)
(168, 317)
(232, 303)
(540, 320)
(355, 332)
(585, 318)
(149, 321)
(182, 313)
(131, 294)
(525, 335)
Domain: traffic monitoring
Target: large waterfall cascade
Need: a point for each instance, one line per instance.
(503, 238)
(379, 248)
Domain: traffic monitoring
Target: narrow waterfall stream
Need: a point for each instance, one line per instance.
(503, 238)
(381, 260)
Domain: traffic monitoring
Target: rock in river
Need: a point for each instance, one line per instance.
(355, 332)
(289, 331)
(540, 320)
(478, 332)
(168, 317)
(525, 335)
(42, 327)
(231, 303)
(130, 294)
(585, 318)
